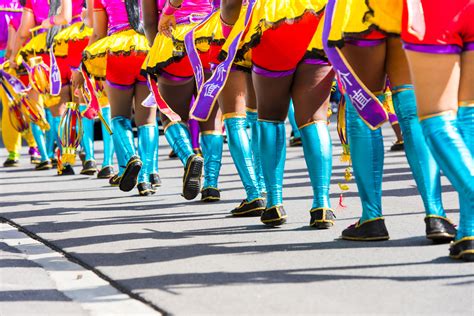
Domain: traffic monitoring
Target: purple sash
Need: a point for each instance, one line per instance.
(54, 74)
(15, 83)
(369, 108)
(211, 89)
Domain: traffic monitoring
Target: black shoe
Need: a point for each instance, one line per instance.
(210, 195)
(248, 209)
(11, 163)
(371, 230)
(155, 180)
(274, 216)
(44, 165)
(89, 167)
(192, 177)
(439, 229)
(130, 175)
(397, 146)
(145, 189)
(106, 173)
(463, 249)
(66, 171)
(295, 141)
(322, 218)
(115, 180)
(34, 160)
(54, 162)
(172, 155)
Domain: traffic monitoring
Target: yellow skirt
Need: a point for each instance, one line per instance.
(126, 42)
(75, 32)
(357, 17)
(166, 51)
(36, 46)
(269, 14)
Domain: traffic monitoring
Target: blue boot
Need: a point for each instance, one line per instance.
(317, 148)
(89, 166)
(123, 140)
(179, 139)
(155, 179)
(455, 159)
(50, 134)
(425, 169)
(241, 152)
(212, 143)
(295, 139)
(107, 170)
(273, 146)
(254, 141)
(367, 154)
(39, 137)
(147, 138)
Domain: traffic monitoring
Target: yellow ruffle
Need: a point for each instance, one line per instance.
(167, 50)
(75, 32)
(352, 17)
(385, 14)
(121, 43)
(36, 46)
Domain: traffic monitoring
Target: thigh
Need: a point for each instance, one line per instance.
(232, 97)
(65, 96)
(250, 98)
(178, 95)
(311, 91)
(273, 96)
(466, 88)
(368, 63)
(120, 100)
(435, 93)
(143, 115)
(396, 63)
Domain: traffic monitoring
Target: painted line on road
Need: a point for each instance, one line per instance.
(95, 294)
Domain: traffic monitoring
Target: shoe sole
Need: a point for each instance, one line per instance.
(467, 255)
(210, 199)
(382, 238)
(146, 193)
(89, 172)
(258, 211)
(275, 222)
(192, 180)
(104, 177)
(130, 176)
(440, 237)
(44, 168)
(322, 224)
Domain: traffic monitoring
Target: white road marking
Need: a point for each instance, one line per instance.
(94, 294)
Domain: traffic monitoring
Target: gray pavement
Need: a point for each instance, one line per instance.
(192, 258)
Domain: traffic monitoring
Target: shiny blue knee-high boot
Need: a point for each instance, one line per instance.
(212, 143)
(56, 120)
(50, 135)
(425, 169)
(177, 135)
(241, 152)
(123, 136)
(292, 119)
(466, 127)
(154, 167)
(450, 151)
(367, 153)
(147, 138)
(254, 141)
(39, 137)
(87, 141)
(107, 138)
(317, 148)
(273, 147)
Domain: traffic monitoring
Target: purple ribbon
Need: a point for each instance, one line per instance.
(54, 74)
(16, 83)
(211, 89)
(369, 108)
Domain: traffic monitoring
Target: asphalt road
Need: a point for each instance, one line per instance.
(185, 257)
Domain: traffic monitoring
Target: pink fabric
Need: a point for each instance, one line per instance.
(40, 9)
(8, 17)
(116, 12)
(198, 7)
(77, 6)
